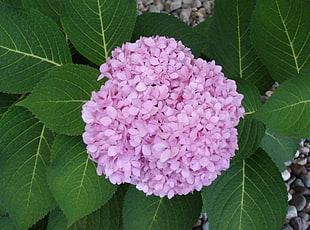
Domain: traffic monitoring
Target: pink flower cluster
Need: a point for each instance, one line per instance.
(164, 121)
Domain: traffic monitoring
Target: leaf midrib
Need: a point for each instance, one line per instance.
(155, 214)
(31, 55)
(288, 38)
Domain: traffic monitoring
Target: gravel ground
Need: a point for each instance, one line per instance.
(297, 174)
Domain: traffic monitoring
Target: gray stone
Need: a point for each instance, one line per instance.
(154, 9)
(299, 201)
(298, 182)
(299, 223)
(287, 227)
(300, 161)
(291, 213)
(147, 2)
(205, 226)
(302, 190)
(176, 5)
(196, 3)
(304, 215)
(189, 2)
(286, 175)
(306, 179)
(184, 15)
(305, 150)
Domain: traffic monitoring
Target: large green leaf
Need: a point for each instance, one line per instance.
(6, 100)
(281, 36)
(72, 177)
(250, 134)
(249, 195)
(250, 131)
(51, 8)
(202, 28)
(287, 110)
(30, 45)
(57, 100)
(280, 148)
(152, 24)
(6, 223)
(108, 217)
(154, 213)
(96, 27)
(24, 156)
(230, 44)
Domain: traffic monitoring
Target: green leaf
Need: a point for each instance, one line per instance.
(108, 217)
(6, 223)
(96, 27)
(245, 196)
(250, 131)
(202, 28)
(30, 45)
(287, 110)
(281, 36)
(51, 8)
(6, 100)
(24, 156)
(72, 177)
(250, 134)
(230, 44)
(57, 100)
(280, 148)
(155, 213)
(152, 24)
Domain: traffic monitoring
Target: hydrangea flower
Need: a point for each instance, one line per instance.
(164, 121)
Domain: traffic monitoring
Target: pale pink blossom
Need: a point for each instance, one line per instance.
(164, 121)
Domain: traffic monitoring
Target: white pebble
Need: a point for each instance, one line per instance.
(289, 197)
(292, 212)
(286, 175)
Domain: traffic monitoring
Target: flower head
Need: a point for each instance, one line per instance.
(164, 121)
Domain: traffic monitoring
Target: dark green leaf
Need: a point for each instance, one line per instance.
(154, 213)
(57, 100)
(250, 134)
(50, 8)
(6, 223)
(202, 28)
(230, 45)
(152, 24)
(281, 36)
(30, 45)
(108, 217)
(287, 110)
(24, 156)
(6, 100)
(280, 148)
(96, 27)
(72, 177)
(249, 195)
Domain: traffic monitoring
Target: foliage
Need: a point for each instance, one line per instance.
(45, 173)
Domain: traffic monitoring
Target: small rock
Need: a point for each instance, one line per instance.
(147, 2)
(299, 223)
(299, 201)
(287, 227)
(196, 3)
(298, 169)
(175, 5)
(286, 175)
(154, 9)
(306, 179)
(307, 207)
(184, 15)
(205, 226)
(208, 5)
(300, 161)
(302, 190)
(305, 150)
(289, 196)
(292, 212)
(304, 215)
(269, 93)
(189, 2)
(298, 183)
(297, 154)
